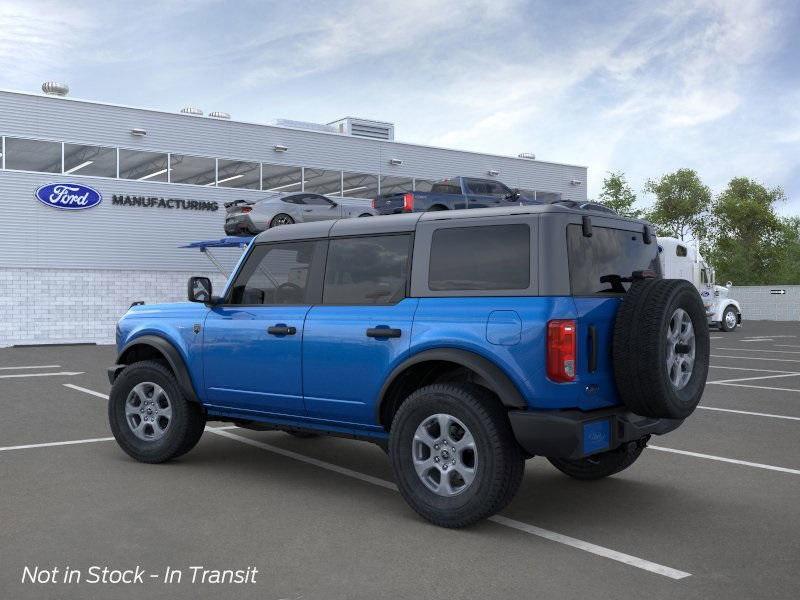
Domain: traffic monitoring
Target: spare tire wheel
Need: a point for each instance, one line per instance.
(660, 348)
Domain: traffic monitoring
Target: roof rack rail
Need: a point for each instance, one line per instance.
(596, 206)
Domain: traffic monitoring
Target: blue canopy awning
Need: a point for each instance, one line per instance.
(226, 242)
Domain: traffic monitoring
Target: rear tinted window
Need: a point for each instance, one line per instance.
(367, 270)
(606, 252)
(495, 257)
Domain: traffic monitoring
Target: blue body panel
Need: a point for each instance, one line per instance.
(343, 369)
(247, 368)
(329, 374)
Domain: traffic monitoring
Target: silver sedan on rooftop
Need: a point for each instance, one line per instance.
(249, 217)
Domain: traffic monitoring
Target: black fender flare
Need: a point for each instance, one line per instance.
(169, 352)
(494, 376)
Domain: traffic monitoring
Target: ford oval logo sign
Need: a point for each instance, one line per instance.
(68, 196)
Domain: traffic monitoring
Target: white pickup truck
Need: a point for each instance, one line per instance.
(680, 260)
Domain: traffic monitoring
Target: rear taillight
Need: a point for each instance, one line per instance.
(408, 202)
(561, 350)
(246, 209)
(374, 202)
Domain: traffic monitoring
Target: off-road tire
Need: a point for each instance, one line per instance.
(186, 425)
(600, 465)
(500, 465)
(723, 324)
(639, 351)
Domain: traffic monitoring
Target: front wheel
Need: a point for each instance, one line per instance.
(455, 458)
(729, 319)
(150, 417)
(600, 465)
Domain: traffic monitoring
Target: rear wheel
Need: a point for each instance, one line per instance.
(729, 319)
(600, 465)
(454, 455)
(150, 417)
(281, 219)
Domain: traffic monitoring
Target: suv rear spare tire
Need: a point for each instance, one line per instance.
(660, 348)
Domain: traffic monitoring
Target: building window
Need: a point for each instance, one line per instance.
(33, 155)
(196, 170)
(98, 161)
(280, 178)
(359, 185)
(489, 267)
(325, 182)
(238, 174)
(143, 166)
(367, 270)
(396, 185)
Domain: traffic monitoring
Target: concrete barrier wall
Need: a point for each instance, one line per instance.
(762, 302)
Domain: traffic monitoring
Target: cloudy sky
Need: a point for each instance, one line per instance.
(642, 87)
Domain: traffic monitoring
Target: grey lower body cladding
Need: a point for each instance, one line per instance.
(575, 434)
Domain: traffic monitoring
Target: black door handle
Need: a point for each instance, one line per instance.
(281, 330)
(383, 332)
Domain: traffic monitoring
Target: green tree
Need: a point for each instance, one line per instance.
(681, 205)
(751, 244)
(618, 195)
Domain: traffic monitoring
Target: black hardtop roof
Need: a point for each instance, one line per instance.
(408, 222)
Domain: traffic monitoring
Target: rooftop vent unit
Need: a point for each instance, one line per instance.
(53, 88)
(303, 125)
(375, 130)
(219, 115)
(192, 110)
(527, 155)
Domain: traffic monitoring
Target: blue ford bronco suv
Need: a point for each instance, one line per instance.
(462, 342)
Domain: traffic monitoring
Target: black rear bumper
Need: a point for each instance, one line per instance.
(575, 434)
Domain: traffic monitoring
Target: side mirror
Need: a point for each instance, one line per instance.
(333, 204)
(199, 289)
(729, 284)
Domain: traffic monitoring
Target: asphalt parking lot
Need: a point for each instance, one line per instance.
(709, 511)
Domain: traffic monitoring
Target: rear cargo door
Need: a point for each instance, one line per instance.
(608, 251)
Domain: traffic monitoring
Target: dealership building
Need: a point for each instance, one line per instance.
(161, 180)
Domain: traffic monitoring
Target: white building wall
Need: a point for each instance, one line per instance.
(40, 306)
(758, 302)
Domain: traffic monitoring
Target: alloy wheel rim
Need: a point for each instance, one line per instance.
(148, 411)
(680, 345)
(730, 318)
(282, 221)
(444, 454)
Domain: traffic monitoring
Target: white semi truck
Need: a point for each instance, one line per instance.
(680, 260)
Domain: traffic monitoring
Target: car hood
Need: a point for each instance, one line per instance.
(166, 310)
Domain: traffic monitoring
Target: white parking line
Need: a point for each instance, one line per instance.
(755, 358)
(744, 378)
(760, 350)
(727, 460)
(31, 367)
(747, 412)
(16, 375)
(749, 369)
(500, 520)
(787, 346)
(757, 340)
(760, 387)
(85, 390)
(50, 444)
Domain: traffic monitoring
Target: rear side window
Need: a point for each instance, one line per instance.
(492, 257)
(680, 251)
(446, 187)
(607, 253)
(367, 270)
